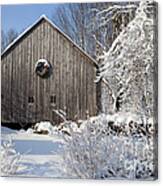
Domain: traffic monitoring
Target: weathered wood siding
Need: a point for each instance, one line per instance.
(72, 80)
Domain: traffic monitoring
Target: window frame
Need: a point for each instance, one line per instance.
(53, 99)
(31, 100)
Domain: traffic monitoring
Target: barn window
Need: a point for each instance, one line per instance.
(53, 99)
(43, 68)
(30, 99)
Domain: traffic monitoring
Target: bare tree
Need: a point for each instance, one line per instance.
(7, 38)
(11, 35)
(74, 19)
(3, 40)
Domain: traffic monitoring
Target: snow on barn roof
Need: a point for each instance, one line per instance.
(43, 17)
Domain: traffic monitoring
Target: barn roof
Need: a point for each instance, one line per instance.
(43, 17)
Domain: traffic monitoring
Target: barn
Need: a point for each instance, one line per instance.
(44, 74)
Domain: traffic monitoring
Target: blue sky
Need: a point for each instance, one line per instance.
(20, 17)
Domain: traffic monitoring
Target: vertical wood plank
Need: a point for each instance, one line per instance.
(72, 80)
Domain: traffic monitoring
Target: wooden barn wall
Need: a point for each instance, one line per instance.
(72, 80)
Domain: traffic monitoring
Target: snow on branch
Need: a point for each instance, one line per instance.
(119, 8)
(61, 114)
(112, 12)
(9, 158)
(108, 146)
(129, 62)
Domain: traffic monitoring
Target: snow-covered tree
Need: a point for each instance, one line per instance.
(89, 27)
(128, 67)
(121, 145)
(108, 20)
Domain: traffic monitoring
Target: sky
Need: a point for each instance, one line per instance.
(19, 17)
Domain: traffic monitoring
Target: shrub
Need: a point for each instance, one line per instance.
(99, 152)
(9, 158)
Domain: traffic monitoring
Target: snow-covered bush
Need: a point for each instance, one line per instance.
(43, 127)
(30, 131)
(98, 150)
(9, 158)
(68, 126)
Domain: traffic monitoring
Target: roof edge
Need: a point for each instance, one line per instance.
(43, 16)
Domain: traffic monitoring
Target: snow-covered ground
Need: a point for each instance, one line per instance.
(40, 154)
(102, 147)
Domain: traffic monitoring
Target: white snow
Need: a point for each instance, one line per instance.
(43, 126)
(128, 66)
(41, 166)
(41, 155)
(73, 155)
(9, 158)
(122, 148)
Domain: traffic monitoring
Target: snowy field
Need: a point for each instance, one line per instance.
(40, 154)
(102, 147)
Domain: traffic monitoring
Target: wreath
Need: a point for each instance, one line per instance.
(43, 68)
